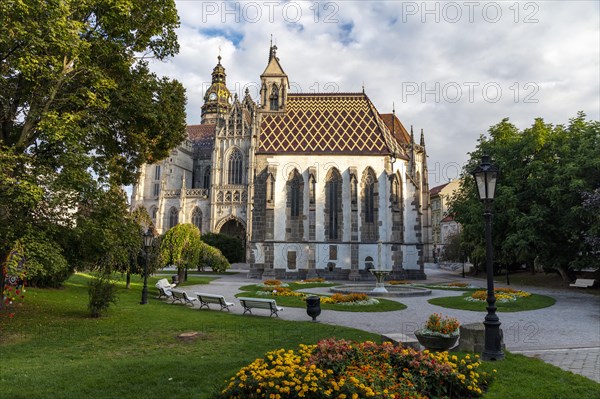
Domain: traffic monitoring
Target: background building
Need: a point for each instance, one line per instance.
(315, 184)
(442, 224)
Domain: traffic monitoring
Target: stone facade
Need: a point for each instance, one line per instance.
(316, 184)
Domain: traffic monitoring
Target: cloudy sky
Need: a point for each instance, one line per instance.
(451, 68)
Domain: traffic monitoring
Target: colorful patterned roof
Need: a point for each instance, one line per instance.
(201, 136)
(325, 123)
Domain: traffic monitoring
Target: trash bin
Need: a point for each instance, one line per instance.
(313, 307)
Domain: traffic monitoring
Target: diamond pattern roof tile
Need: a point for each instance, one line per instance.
(342, 123)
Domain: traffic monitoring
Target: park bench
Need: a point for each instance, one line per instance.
(205, 299)
(583, 282)
(251, 303)
(164, 288)
(182, 297)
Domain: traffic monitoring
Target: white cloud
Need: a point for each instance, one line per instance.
(547, 68)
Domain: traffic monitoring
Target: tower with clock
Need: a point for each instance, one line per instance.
(217, 99)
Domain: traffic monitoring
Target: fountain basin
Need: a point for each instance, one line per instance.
(391, 290)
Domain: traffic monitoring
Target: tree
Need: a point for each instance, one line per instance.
(80, 112)
(181, 246)
(538, 210)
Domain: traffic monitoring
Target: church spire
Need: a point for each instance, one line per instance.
(274, 84)
(422, 138)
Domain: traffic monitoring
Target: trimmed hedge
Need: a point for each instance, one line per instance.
(231, 247)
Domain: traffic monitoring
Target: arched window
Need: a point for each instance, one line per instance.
(274, 98)
(333, 205)
(173, 217)
(153, 213)
(369, 200)
(235, 167)
(206, 178)
(369, 208)
(197, 218)
(295, 191)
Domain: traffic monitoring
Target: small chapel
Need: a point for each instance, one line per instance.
(315, 184)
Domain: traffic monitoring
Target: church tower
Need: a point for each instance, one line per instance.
(217, 99)
(274, 85)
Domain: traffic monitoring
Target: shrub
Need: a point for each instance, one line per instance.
(102, 293)
(231, 247)
(343, 369)
(501, 294)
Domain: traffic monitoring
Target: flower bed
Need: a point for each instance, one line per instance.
(312, 280)
(441, 325)
(349, 299)
(502, 295)
(343, 369)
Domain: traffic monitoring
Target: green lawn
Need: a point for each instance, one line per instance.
(52, 349)
(532, 302)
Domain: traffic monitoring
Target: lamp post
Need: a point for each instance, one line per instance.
(485, 176)
(148, 236)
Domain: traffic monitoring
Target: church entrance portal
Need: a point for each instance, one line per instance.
(235, 229)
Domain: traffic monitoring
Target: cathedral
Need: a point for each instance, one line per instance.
(315, 185)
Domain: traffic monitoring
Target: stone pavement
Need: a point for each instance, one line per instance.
(566, 334)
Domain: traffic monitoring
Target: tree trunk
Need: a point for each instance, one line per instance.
(181, 274)
(566, 275)
(128, 279)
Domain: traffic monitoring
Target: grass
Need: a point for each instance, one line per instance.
(521, 377)
(532, 302)
(384, 305)
(53, 349)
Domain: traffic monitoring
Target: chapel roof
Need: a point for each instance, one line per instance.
(396, 127)
(327, 123)
(201, 136)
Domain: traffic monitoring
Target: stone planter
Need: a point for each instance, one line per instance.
(434, 342)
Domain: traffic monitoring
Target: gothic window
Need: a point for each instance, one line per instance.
(396, 194)
(197, 218)
(294, 194)
(369, 208)
(369, 201)
(206, 178)
(333, 205)
(270, 189)
(173, 217)
(157, 172)
(312, 185)
(235, 167)
(153, 212)
(155, 189)
(353, 190)
(274, 98)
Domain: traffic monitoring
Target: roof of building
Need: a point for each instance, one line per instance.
(327, 123)
(396, 127)
(437, 189)
(201, 136)
(447, 219)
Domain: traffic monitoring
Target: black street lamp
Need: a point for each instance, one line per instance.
(148, 236)
(485, 176)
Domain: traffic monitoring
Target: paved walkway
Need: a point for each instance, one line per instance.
(566, 334)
